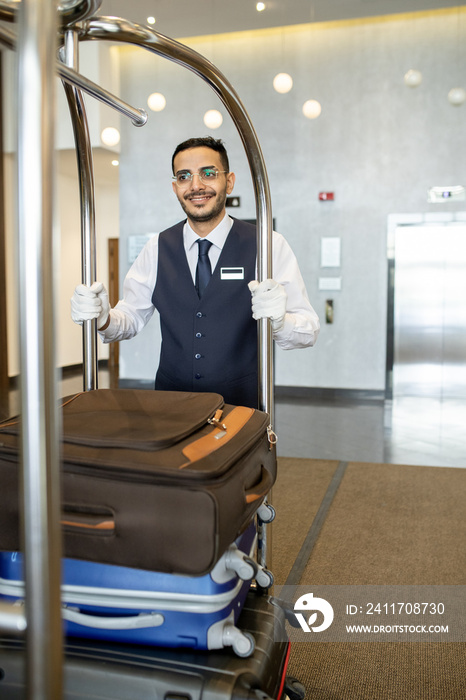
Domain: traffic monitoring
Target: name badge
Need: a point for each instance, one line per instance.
(232, 273)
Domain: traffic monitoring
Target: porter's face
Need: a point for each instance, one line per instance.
(203, 196)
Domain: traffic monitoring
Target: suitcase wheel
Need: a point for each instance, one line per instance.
(234, 562)
(266, 513)
(264, 578)
(294, 690)
(242, 643)
(243, 566)
(245, 646)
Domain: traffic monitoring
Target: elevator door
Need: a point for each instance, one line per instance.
(430, 311)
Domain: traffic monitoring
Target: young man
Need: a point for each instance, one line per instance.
(208, 300)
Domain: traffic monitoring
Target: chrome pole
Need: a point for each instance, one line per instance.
(76, 10)
(39, 397)
(70, 10)
(87, 202)
(138, 116)
(120, 30)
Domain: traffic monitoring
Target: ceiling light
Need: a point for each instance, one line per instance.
(260, 6)
(283, 83)
(151, 20)
(312, 109)
(213, 119)
(110, 136)
(413, 78)
(457, 96)
(115, 163)
(156, 102)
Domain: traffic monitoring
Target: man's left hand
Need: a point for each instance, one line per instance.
(269, 301)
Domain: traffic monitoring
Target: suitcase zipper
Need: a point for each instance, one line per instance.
(222, 432)
(216, 420)
(272, 436)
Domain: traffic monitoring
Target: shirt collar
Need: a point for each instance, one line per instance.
(217, 237)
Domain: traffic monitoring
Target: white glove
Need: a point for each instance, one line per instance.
(269, 301)
(90, 302)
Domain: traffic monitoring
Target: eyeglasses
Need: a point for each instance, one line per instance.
(184, 178)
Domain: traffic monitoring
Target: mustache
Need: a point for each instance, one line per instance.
(202, 193)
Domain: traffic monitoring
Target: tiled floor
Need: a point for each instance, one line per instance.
(406, 430)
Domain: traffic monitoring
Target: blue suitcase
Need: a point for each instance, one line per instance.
(120, 604)
(96, 669)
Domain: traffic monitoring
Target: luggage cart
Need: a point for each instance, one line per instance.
(76, 21)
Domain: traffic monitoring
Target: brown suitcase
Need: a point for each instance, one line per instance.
(163, 481)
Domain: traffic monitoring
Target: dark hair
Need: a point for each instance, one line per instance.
(204, 142)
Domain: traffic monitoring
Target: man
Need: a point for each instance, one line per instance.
(209, 334)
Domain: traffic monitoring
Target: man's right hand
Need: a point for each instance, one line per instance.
(90, 302)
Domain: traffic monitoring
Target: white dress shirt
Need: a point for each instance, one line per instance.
(132, 313)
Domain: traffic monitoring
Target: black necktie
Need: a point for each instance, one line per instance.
(203, 270)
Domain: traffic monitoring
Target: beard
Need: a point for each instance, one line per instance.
(206, 212)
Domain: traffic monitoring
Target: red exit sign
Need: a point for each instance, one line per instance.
(326, 196)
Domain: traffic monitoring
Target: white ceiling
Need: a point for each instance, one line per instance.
(184, 18)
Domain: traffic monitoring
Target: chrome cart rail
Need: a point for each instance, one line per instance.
(73, 21)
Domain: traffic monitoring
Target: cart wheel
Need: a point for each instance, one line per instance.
(264, 578)
(294, 690)
(244, 645)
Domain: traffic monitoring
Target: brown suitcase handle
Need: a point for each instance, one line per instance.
(261, 489)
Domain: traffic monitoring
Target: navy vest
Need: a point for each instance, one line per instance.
(208, 344)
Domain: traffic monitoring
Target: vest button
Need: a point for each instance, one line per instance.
(198, 376)
(198, 335)
(199, 314)
(197, 356)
